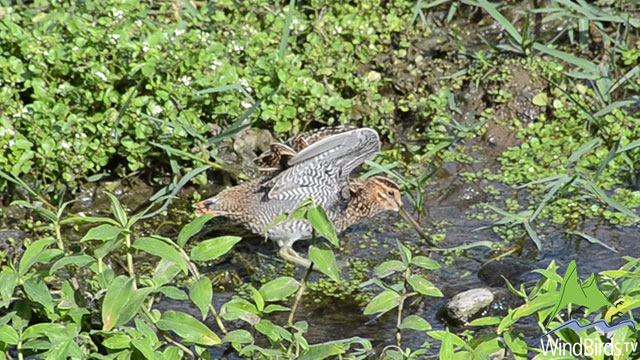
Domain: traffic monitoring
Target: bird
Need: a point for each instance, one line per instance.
(316, 165)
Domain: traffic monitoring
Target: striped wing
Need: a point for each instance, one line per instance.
(276, 159)
(321, 170)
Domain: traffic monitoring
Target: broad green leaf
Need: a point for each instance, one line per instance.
(486, 321)
(201, 294)
(161, 249)
(321, 223)
(238, 337)
(117, 341)
(239, 308)
(425, 263)
(8, 335)
(213, 248)
(188, 328)
(37, 290)
(423, 286)
(165, 272)
(104, 232)
(516, 344)
(274, 332)
(192, 228)
(43, 329)
(132, 307)
(387, 268)
(324, 260)
(78, 260)
(32, 254)
(383, 302)
(8, 283)
(279, 289)
(415, 322)
(118, 295)
(173, 293)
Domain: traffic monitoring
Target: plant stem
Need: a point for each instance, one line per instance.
(182, 347)
(131, 270)
(299, 295)
(401, 307)
(59, 236)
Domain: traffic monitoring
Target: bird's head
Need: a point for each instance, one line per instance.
(389, 197)
(387, 193)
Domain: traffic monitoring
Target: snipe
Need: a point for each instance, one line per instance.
(314, 165)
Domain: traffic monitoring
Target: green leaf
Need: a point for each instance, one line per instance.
(192, 228)
(415, 322)
(78, 260)
(201, 293)
(8, 283)
(213, 248)
(8, 335)
(32, 254)
(165, 272)
(133, 306)
(161, 249)
(425, 263)
(104, 232)
(423, 286)
(486, 321)
(387, 268)
(540, 99)
(321, 223)
(238, 337)
(118, 295)
(188, 328)
(383, 302)
(405, 253)
(173, 293)
(117, 341)
(279, 289)
(324, 260)
(117, 210)
(37, 290)
(257, 298)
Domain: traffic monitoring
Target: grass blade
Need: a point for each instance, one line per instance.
(603, 165)
(513, 32)
(592, 240)
(284, 41)
(585, 148)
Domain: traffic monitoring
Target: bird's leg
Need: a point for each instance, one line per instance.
(287, 253)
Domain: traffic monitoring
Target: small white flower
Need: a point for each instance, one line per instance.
(244, 82)
(339, 29)
(11, 142)
(75, 48)
(66, 145)
(101, 76)
(246, 104)
(215, 65)
(156, 109)
(138, 23)
(178, 32)
(186, 80)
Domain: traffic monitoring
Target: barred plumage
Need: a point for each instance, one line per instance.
(311, 165)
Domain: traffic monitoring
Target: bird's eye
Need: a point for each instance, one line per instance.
(391, 193)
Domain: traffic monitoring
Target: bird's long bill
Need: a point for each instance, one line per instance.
(408, 218)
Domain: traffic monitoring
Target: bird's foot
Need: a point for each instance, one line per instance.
(287, 253)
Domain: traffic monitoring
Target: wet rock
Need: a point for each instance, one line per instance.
(136, 195)
(463, 195)
(492, 273)
(499, 137)
(525, 110)
(464, 306)
(11, 245)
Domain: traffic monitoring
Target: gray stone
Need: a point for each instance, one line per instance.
(465, 305)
